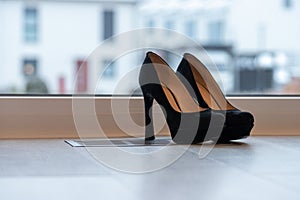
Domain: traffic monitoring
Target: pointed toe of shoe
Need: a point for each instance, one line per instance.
(237, 117)
(238, 125)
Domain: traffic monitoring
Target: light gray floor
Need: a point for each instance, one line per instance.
(257, 168)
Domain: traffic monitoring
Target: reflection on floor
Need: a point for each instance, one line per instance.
(257, 168)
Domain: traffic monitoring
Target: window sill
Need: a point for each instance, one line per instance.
(52, 117)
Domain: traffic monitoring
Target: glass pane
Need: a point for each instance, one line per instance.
(215, 32)
(30, 24)
(59, 47)
(191, 27)
(108, 23)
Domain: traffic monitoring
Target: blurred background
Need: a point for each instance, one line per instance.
(43, 43)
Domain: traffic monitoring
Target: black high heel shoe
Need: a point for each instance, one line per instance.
(238, 124)
(187, 121)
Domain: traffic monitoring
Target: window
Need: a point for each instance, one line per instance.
(81, 72)
(109, 71)
(150, 23)
(29, 67)
(72, 30)
(64, 31)
(169, 24)
(216, 32)
(287, 4)
(30, 24)
(108, 23)
(190, 28)
(34, 83)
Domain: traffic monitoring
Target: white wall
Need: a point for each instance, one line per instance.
(12, 44)
(67, 31)
(249, 16)
(243, 21)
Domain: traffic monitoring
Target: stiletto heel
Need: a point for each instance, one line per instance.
(187, 121)
(238, 124)
(148, 102)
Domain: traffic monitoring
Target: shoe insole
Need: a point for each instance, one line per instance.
(176, 93)
(208, 87)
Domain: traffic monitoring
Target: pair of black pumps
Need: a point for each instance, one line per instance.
(193, 104)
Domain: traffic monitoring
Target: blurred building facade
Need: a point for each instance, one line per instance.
(241, 36)
(52, 39)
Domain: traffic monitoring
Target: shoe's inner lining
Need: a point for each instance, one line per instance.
(175, 91)
(172, 99)
(209, 100)
(208, 87)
